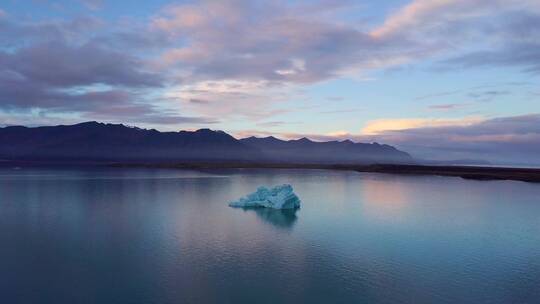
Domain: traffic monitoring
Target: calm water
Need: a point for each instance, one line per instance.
(166, 236)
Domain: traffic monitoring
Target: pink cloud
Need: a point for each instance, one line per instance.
(431, 15)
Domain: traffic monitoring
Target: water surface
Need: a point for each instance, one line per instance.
(168, 236)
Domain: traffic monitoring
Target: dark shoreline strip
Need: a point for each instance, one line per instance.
(466, 172)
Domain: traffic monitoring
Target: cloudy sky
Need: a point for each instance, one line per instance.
(442, 79)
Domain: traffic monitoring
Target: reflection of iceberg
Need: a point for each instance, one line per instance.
(282, 218)
(279, 197)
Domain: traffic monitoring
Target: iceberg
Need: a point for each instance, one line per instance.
(278, 197)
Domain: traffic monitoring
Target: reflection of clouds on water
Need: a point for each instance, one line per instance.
(385, 199)
(281, 218)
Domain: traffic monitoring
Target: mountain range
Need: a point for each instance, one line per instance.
(94, 141)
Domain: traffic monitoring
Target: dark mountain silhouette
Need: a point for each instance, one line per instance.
(93, 141)
(306, 151)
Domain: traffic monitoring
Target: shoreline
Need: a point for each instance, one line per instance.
(531, 175)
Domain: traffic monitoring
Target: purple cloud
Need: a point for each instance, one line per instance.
(446, 106)
(58, 65)
(53, 67)
(523, 55)
(93, 4)
(256, 49)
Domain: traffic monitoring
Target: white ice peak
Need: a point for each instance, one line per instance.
(279, 197)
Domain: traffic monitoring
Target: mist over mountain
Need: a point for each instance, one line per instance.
(93, 141)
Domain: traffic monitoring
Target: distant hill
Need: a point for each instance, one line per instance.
(307, 151)
(93, 141)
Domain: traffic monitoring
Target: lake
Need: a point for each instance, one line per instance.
(99, 235)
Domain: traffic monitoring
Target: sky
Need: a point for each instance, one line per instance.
(440, 79)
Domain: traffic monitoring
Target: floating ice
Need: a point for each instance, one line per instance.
(279, 197)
